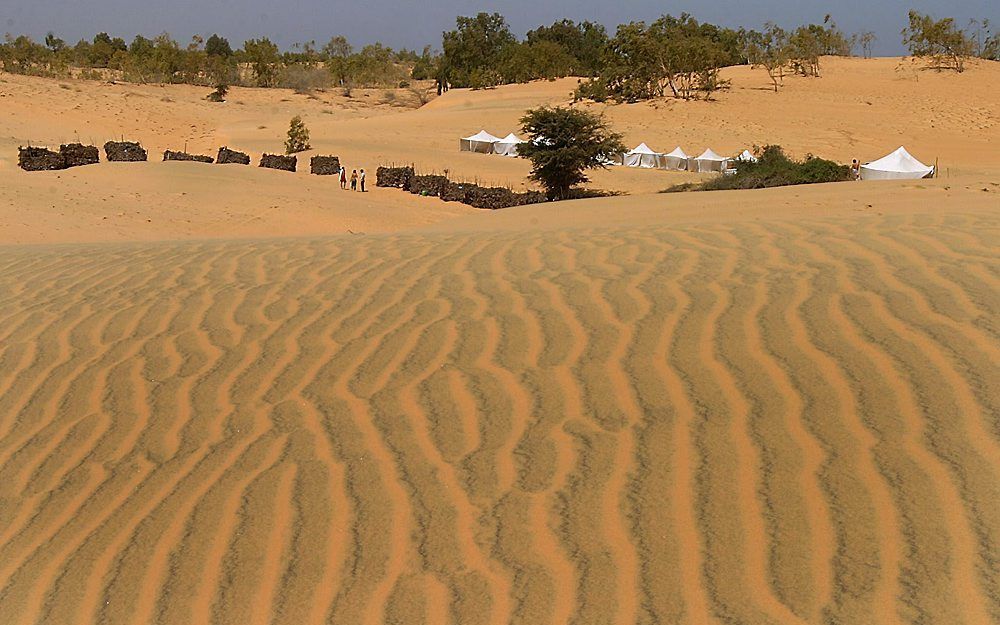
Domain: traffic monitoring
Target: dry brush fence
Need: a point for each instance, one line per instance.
(69, 155)
(324, 165)
(491, 198)
(77, 154)
(277, 161)
(231, 157)
(39, 159)
(170, 155)
(124, 152)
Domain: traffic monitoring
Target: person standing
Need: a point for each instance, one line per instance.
(343, 177)
(362, 180)
(354, 180)
(856, 169)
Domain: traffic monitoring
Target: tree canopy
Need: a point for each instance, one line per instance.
(563, 144)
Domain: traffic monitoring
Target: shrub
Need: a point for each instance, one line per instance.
(219, 95)
(304, 78)
(298, 137)
(772, 169)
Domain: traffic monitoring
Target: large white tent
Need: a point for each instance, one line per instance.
(709, 161)
(746, 157)
(481, 142)
(677, 160)
(899, 165)
(642, 156)
(508, 145)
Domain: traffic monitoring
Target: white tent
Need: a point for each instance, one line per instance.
(709, 161)
(481, 142)
(899, 165)
(508, 145)
(746, 157)
(677, 160)
(642, 156)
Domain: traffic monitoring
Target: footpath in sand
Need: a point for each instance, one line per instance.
(774, 407)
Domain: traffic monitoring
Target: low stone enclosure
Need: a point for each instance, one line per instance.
(124, 152)
(231, 157)
(491, 198)
(170, 155)
(324, 165)
(44, 159)
(277, 161)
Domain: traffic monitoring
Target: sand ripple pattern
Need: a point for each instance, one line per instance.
(768, 423)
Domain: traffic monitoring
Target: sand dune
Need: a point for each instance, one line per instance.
(230, 395)
(860, 108)
(778, 421)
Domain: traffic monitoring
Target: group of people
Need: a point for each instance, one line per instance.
(355, 178)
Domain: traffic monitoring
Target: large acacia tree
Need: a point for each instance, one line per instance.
(563, 144)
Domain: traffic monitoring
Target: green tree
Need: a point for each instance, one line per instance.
(298, 137)
(54, 43)
(583, 42)
(263, 57)
(534, 61)
(940, 41)
(563, 144)
(218, 46)
(866, 39)
(673, 53)
(477, 44)
(425, 67)
(771, 51)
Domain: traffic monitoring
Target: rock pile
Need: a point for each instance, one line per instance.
(324, 165)
(170, 155)
(231, 157)
(277, 161)
(396, 177)
(39, 159)
(77, 154)
(124, 152)
(428, 185)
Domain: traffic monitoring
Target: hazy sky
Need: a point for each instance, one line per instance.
(413, 24)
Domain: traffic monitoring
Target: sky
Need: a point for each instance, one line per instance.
(414, 24)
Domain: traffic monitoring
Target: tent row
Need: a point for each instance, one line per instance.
(898, 165)
(644, 157)
(485, 143)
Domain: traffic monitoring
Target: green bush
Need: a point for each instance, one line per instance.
(772, 169)
(298, 137)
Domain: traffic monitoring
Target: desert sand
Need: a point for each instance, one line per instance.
(230, 395)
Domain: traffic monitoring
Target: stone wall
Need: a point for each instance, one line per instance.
(325, 165)
(428, 185)
(277, 161)
(77, 154)
(124, 152)
(231, 157)
(396, 177)
(39, 159)
(170, 155)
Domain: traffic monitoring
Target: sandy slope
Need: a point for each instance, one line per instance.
(859, 108)
(772, 421)
(774, 407)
